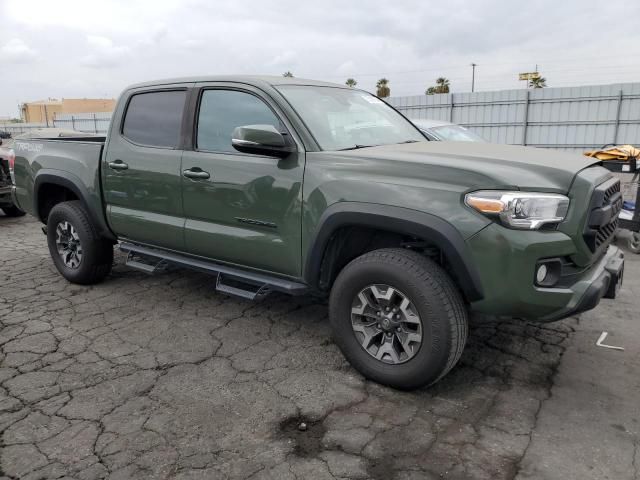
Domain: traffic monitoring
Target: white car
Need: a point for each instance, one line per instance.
(444, 131)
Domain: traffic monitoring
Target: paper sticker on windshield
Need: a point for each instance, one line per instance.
(372, 99)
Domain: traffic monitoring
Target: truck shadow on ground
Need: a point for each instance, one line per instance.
(162, 377)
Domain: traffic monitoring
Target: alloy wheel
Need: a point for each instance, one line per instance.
(68, 244)
(386, 324)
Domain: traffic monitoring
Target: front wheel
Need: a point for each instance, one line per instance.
(78, 252)
(398, 318)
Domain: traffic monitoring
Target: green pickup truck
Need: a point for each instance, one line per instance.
(305, 187)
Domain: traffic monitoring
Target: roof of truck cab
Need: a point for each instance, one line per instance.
(256, 80)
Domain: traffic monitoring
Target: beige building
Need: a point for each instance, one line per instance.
(44, 111)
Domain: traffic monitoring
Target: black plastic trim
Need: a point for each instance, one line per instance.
(73, 183)
(554, 272)
(604, 208)
(604, 286)
(399, 220)
(589, 300)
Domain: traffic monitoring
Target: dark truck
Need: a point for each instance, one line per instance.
(6, 182)
(297, 186)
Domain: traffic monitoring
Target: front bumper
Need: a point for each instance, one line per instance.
(507, 259)
(604, 281)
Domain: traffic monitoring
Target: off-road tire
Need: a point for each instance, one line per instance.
(440, 305)
(634, 242)
(97, 253)
(12, 211)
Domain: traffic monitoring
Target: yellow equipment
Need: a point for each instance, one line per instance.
(617, 152)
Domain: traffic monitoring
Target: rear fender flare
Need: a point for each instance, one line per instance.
(74, 184)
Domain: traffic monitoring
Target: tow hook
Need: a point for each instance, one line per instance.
(44, 230)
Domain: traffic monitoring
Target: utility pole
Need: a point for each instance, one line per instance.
(473, 76)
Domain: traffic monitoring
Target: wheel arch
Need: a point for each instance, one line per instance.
(67, 187)
(398, 220)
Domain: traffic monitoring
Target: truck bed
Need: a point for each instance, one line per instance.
(75, 159)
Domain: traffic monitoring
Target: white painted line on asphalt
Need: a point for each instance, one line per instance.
(601, 339)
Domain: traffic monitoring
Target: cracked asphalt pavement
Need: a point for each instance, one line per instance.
(158, 377)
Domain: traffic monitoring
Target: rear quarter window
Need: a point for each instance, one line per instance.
(155, 118)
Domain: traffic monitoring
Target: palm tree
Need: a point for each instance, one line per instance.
(538, 82)
(442, 86)
(287, 74)
(382, 88)
(351, 82)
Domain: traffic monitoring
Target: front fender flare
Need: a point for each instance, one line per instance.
(399, 220)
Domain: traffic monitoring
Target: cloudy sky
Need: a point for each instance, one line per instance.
(94, 48)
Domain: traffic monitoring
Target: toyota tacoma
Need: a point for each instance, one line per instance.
(306, 187)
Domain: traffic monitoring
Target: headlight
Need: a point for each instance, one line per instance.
(523, 210)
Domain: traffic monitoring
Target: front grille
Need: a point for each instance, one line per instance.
(604, 208)
(612, 190)
(605, 233)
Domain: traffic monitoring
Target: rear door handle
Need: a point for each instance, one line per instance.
(118, 165)
(196, 173)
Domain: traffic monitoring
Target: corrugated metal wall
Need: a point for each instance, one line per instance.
(572, 118)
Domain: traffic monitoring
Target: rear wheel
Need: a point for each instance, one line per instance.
(634, 242)
(78, 252)
(12, 211)
(398, 318)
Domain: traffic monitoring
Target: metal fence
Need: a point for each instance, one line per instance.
(84, 122)
(572, 118)
(80, 122)
(17, 128)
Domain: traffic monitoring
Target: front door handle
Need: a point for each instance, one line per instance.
(118, 165)
(196, 173)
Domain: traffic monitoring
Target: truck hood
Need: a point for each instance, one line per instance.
(484, 164)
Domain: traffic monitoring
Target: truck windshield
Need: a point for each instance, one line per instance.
(456, 133)
(343, 118)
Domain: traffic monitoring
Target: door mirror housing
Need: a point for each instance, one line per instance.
(262, 140)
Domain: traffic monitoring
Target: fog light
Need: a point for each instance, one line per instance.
(541, 274)
(548, 272)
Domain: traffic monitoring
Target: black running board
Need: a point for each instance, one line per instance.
(231, 280)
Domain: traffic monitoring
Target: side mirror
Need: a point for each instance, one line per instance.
(262, 140)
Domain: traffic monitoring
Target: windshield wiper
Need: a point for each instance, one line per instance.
(355, 147)
(408, 141)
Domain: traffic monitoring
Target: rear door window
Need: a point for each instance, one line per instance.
(154, 119)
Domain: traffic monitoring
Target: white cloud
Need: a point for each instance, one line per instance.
(347, 68)
(16, 51)
(99, 42)
(103, 53)
(411, 42)
(159, 33)
(287, 59)
(91, 15)
(192, 43)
